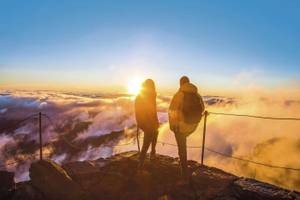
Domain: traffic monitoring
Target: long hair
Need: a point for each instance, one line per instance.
(148, 89)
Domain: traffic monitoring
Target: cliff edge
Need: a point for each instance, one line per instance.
(117, 178)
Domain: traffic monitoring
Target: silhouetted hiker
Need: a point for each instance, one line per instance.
(146, 118)
(185, 113)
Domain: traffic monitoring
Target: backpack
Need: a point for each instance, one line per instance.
(192, 108)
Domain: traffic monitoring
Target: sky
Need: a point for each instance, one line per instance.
(103, 45)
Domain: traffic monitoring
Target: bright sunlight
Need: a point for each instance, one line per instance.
(134, 86)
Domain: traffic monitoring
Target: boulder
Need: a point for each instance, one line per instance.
(7, 184)
(25, 191)
(54, 182)
(246, 188)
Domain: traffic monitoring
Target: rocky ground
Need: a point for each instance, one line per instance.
(117, 178)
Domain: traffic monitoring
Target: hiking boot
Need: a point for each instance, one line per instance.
(153, 156)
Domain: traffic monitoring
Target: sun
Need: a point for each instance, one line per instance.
(134, 86)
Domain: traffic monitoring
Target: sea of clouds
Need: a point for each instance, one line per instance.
(87, 126)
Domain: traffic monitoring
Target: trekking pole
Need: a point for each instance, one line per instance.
(40, 136)
(203, 139)
(137, 138)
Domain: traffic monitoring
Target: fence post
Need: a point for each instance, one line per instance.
(137, 138)
(203, 138)
(40, 136)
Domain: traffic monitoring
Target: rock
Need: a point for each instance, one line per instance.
(7, 184)
(82, 172)
(164, 197)
(250, 189)
(53, 181)
(26, 191)
(118, 177)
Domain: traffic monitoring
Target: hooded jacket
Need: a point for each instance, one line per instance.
(145, 111)
(176, 119)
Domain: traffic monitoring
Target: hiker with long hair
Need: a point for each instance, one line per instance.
(146, 118)
(185, 113)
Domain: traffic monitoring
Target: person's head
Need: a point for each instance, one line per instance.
(183, 80)
(148, 85)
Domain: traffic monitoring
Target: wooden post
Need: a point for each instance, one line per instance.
(40, 135)
(137, 138)
(203, 139)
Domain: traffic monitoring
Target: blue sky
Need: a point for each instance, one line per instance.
(106, 43)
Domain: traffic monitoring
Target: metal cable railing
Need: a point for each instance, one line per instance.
(235, 157)
(256, 116)
(206, 113)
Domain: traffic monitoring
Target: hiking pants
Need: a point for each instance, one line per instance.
(182, 152)
(150, 137)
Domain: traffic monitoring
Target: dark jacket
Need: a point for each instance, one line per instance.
(145, 111)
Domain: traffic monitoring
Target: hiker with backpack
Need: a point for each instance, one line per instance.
(185, 113)
(146, 118)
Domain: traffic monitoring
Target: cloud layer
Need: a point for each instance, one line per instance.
(89, 126)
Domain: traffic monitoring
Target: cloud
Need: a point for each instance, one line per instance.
(3, 110)
(89, 126)
(248, 78)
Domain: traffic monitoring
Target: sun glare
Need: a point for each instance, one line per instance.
(134, 86)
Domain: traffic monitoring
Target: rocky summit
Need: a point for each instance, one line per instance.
(117, 177)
